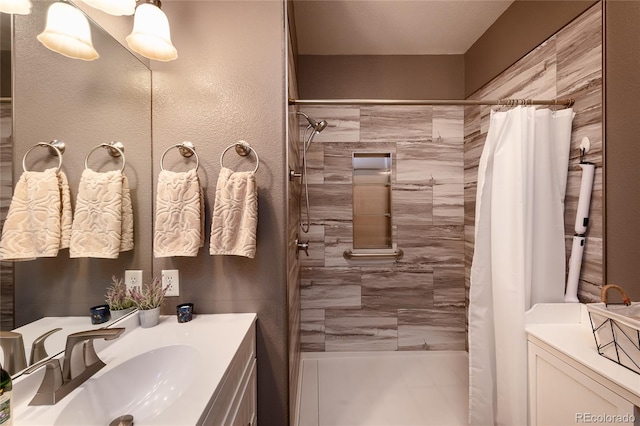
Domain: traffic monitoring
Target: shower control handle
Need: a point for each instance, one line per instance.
(302, 246)
(293, 174)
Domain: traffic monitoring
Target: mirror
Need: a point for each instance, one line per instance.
(83, 104)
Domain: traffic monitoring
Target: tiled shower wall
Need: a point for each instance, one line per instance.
(293, 225)
(6, 190)
(568, 65)
(418, 302)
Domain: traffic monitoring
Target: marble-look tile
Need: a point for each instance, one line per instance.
(579, 50)
(312, 330)
(430, 162)
(330, 296)
(394, 290)
(448, 123)
(431, 245)
(412, 204)
(358, 330)
(431, 329)
(395, 123)
(337, 239)
(343, 122)
(448, 204)
(315, 164)
(448, 286)
(6, 192)
(330, 203)
(315, 237)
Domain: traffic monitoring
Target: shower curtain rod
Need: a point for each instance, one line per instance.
(504, 102)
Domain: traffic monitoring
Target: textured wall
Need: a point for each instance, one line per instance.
(416, 303)
(83, 104)
(622, 153)
(381, 76)
(568, 65)
(228, 84)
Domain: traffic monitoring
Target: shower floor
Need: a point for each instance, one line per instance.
(384, 389)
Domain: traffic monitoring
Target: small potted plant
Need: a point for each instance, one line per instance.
(148, 300)
(118, 299)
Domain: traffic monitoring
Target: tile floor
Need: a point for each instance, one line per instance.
(384, 389)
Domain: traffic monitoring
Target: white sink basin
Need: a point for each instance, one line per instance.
(169, 374)
(142, 386)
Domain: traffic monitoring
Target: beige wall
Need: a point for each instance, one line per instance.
(83, 104)
(229, 84)
(622, 152)
(520, 29)
(383, 77)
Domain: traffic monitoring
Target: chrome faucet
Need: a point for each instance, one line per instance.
(76, 368)
(12, 347)
(38, 351)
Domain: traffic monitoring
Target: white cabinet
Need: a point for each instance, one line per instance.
(565, 392)
(235, 401)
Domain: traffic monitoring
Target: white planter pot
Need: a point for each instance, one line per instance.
(149, 317)
(120, 312)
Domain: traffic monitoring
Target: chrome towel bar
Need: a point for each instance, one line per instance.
(350, 255)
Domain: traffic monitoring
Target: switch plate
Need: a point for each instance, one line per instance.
(133, 278)
(171, 279)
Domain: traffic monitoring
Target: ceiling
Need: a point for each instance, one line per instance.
(392, 27)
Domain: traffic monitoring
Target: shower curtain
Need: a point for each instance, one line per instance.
(519, 254)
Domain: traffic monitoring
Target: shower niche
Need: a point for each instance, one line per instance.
(372, 206)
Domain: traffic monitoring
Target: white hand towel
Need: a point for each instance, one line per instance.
(179, 215)
(235, 214)
(103, 221)
(38, 223)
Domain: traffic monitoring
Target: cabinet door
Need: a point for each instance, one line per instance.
(562, 395)
(248, 406)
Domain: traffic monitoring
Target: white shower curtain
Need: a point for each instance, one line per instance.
(519, 255)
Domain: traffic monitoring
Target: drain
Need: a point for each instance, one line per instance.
(126, 420)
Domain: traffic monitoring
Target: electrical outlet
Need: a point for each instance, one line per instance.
(133, 278)
(171, 279)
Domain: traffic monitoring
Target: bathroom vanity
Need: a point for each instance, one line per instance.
(202, 372)
(569, 382)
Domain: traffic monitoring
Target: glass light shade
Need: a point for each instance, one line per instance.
(114, 7)
(68, 32)
(151, 36)
(18, 7)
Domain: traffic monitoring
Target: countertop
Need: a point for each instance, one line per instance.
(566, 327)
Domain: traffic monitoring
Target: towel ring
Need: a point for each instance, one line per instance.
(186, 148)
(116, 149)
(56, 147)
(243, 149)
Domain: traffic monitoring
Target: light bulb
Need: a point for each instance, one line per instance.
(151, 36)
(18, 7)
(68, 32)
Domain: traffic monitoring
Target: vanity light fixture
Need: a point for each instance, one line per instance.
(18, 7)
(151, 36)
(67, 32)
(114, 7)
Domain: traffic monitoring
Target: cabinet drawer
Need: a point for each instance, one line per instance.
(226, 402)
(247, 403)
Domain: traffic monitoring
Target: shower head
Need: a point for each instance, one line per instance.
(317, 126)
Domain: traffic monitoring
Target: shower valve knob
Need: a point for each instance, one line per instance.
(303, 246)
(293, 174)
